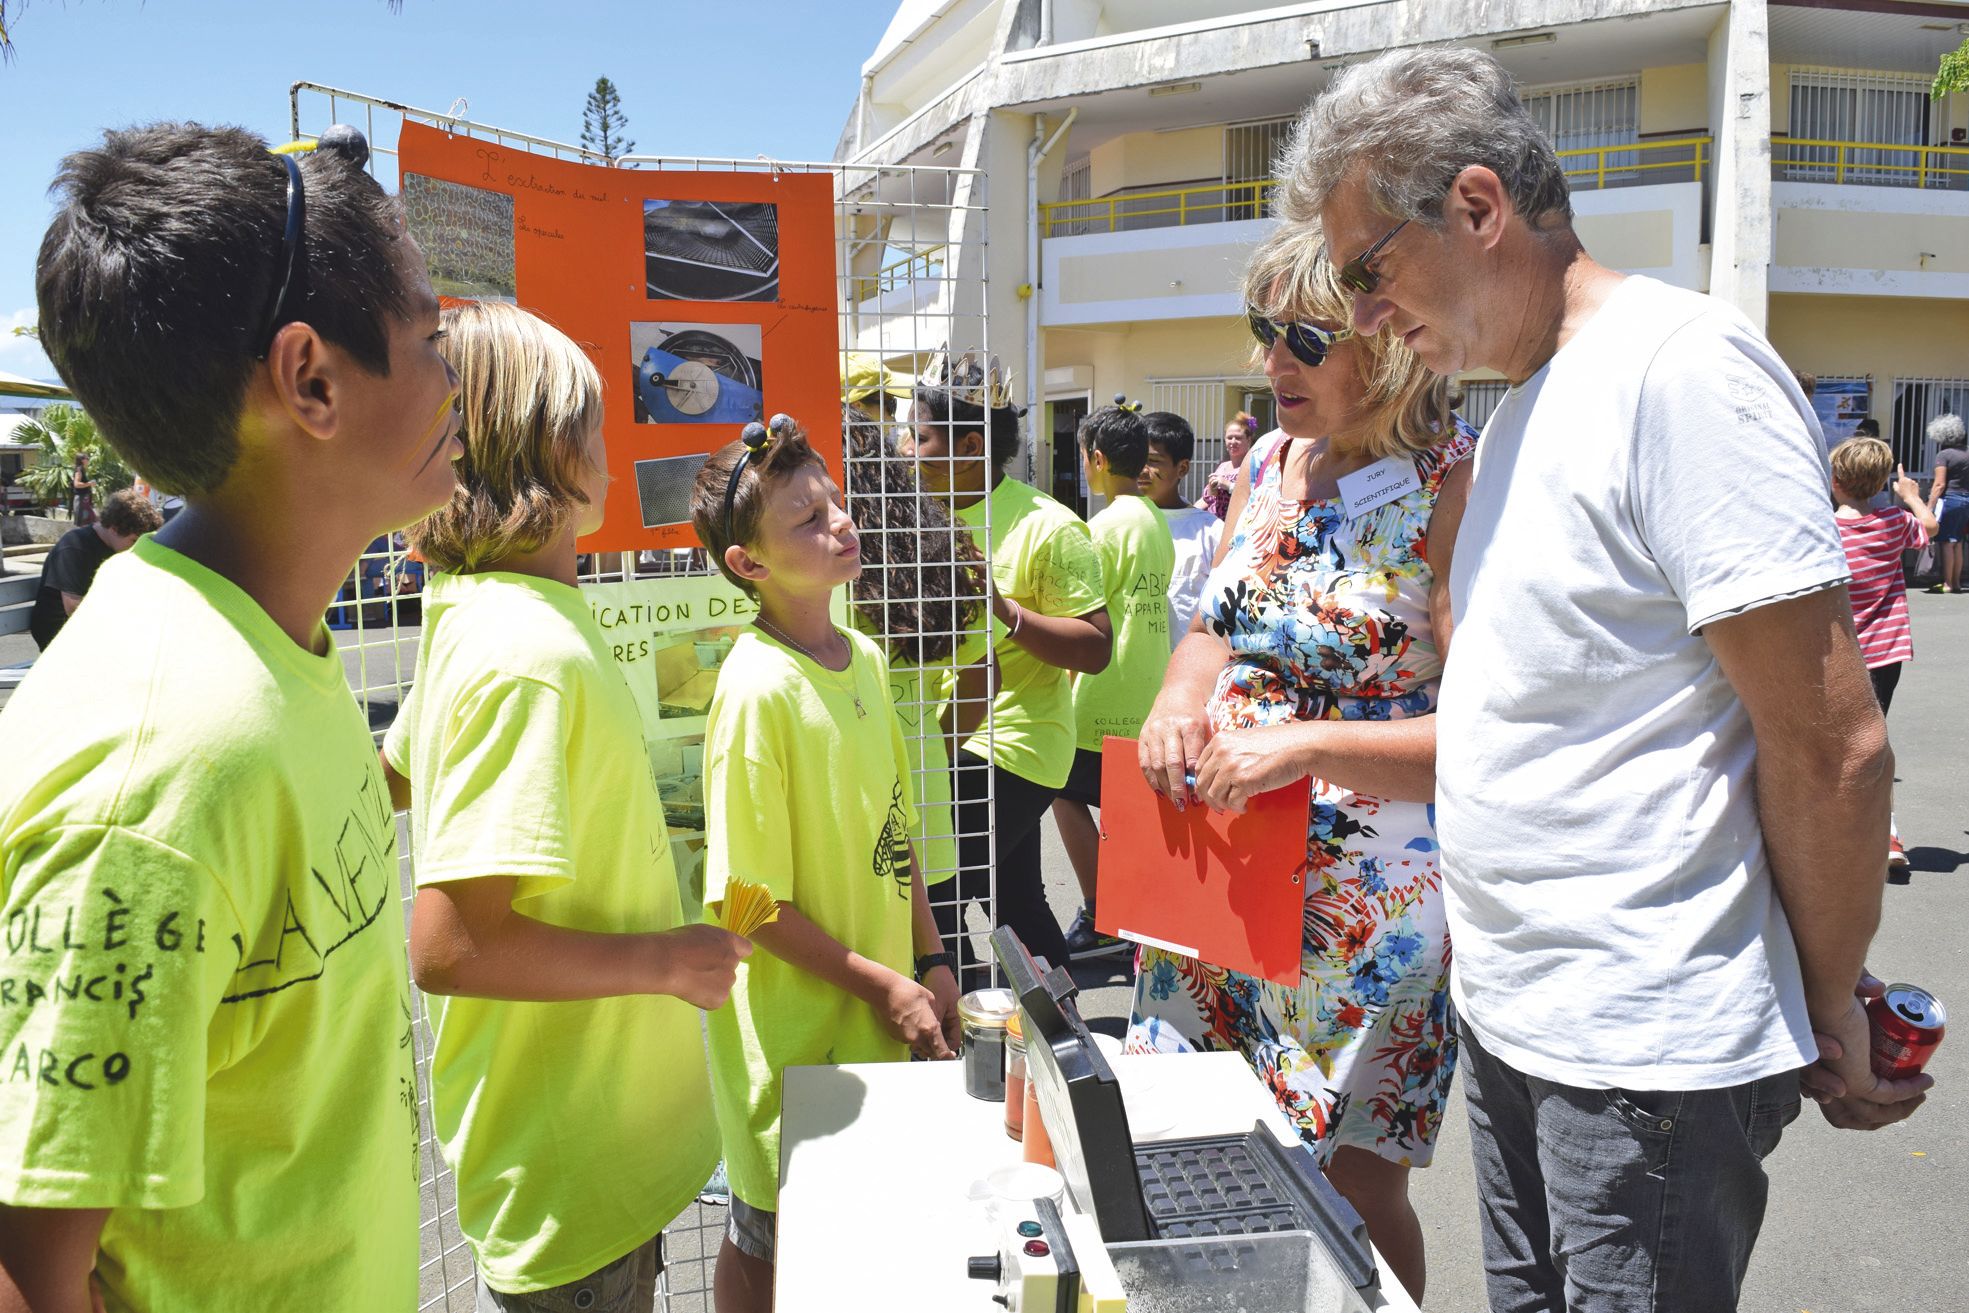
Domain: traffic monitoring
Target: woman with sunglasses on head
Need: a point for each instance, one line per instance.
(1316, 653)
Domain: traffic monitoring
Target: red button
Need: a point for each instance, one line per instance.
(1037, 1248)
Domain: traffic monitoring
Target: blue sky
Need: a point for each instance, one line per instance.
(740, 78)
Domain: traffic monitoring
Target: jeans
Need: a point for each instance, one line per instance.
(1012, 814)
(628, 1285)
(1618, 1201)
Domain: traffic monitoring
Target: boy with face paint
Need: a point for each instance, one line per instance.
(219, 1109)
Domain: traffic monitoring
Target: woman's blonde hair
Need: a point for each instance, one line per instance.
(529, 398)
(1289, 279)
(1861, 465)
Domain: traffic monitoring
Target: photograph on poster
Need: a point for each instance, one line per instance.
(711, 250)
(697, 373)
(663, 488)
(1841, 404)
(467, 237)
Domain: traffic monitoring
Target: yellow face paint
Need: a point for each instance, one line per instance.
(437, 423)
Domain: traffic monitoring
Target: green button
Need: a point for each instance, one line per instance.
(1031, 1229)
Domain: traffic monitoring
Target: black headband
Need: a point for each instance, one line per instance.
(756, 437)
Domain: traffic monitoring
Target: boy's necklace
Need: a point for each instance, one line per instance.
(802, 648)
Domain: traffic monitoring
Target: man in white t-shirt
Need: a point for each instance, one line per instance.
(1172, 443)
(1662, 782)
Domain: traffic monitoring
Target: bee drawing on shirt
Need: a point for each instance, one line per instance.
(892, 844)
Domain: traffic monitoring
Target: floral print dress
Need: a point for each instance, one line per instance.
(1328, 618)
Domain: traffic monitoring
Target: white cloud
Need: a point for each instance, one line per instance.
(22, 355)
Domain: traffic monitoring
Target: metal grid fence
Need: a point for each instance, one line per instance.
(904, 301)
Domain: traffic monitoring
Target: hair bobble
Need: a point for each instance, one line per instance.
(1121, 402)
(756, 437)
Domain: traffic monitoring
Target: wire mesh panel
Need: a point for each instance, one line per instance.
(910, 263)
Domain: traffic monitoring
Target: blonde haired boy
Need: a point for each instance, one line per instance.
(568, 1084)
(1874, 541)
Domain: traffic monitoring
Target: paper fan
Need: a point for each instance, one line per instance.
(746, 907)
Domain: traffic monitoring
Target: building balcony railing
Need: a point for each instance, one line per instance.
(1216, 202)
(925, 264)
(1636, 163)
(1870, 164)
(1590, 168)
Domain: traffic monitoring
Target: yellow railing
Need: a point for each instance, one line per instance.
(926, 263)
(1214, 202)
(1807, 159)
(1589, 168)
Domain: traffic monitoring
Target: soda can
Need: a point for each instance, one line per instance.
(1907, 1024)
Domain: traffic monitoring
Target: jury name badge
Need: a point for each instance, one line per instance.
(1377, 485)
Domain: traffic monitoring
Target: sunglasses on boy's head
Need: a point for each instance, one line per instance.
(1357, 275)
(1309, 343)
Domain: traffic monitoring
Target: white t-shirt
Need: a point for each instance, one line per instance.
(1609, 894)
(1196, 532)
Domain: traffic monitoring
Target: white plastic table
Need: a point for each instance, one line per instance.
(877, 1161)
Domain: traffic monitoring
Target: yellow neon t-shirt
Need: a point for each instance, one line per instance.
(204, 1009)
(576, 1130)
(1137, 555)
(920, 694)
(1043, 558)
(809, 796)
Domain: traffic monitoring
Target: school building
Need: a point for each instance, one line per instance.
(1784, 155)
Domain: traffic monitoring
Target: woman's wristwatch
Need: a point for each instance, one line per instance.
(931, 961)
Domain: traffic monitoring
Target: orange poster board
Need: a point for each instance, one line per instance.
(705, 299)
(1228, 890)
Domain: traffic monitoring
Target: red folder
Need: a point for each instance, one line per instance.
(1226, 889)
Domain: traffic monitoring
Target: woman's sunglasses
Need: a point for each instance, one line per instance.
(1309, 343)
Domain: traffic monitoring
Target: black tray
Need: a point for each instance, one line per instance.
(1226, 1185)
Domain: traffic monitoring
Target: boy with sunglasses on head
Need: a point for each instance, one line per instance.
(1137, 557)
(212, 1103)
(807, 792)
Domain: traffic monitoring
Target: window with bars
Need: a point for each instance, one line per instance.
(1917, 401)
(1864, 128)
(1480, 398)
(1076, 184)
(1589, 118)
(1250, 152)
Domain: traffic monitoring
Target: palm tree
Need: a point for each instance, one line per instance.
(65, 432)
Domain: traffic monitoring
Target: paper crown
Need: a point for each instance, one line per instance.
(980, 382)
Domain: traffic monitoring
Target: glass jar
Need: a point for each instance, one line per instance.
(984, 1013)
(1015, 1077)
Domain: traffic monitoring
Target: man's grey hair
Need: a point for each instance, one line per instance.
(1946, 431)
(1412, 120)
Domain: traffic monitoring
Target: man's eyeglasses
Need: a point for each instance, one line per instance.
(1309, 343)
(1356, 273)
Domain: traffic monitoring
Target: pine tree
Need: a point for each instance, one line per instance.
(603, 122)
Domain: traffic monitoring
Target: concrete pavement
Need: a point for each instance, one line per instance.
(1858, 1222)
